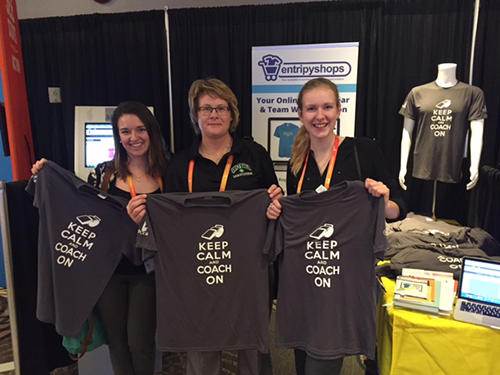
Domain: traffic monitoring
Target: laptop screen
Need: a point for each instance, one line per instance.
(480, 281)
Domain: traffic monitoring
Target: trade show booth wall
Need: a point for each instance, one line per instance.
(105, 59)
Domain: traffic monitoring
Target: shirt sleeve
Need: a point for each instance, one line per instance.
(270, 238)
(31, 187)
(478, 106)
(145, 239)
(274, 240)
(408, 107)
(380, 240)
(37, 182)
(277, 132)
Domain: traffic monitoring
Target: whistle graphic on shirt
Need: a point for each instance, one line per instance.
(216, 231)
(324, 231)
(90, 220)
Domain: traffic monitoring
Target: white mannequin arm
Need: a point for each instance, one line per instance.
(408, 126)
(476, 145)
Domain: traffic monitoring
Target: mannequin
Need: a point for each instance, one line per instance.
(446, 79)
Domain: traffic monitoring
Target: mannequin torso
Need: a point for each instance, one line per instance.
(446, 79)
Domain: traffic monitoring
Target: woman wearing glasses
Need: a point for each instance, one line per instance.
(214, 114)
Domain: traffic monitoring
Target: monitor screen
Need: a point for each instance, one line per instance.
(99, 144)
(480, 281)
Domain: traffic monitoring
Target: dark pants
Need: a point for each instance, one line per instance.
(128, 310)
(307, 365)
(250, 362)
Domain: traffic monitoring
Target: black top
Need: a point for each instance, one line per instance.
(95, 178)
(252, 168)
(372, 165)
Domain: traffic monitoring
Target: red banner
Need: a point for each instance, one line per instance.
(14, 87)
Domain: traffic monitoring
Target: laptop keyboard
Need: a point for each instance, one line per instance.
(480, 309)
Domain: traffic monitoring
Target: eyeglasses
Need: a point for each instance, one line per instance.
(207, 111)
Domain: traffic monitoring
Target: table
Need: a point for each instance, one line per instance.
(414, 343)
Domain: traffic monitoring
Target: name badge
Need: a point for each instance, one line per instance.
(321, 189)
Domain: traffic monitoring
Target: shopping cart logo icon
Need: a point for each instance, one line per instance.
(271, 65)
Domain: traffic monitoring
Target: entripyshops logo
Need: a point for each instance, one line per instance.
(274, 67)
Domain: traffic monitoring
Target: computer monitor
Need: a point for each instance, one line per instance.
(99, 143)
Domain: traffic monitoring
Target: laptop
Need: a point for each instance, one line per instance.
(479, 293)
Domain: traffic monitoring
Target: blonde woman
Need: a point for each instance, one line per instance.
(320, 159)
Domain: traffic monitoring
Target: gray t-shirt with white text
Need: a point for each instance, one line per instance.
(442, 117)
(326, 245)
(83, 234)
(211, 274)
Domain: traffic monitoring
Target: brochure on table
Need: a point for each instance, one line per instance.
(425, 290)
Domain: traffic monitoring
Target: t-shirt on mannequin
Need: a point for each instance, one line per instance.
(444, 111)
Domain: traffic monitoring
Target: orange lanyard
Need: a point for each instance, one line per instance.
(131, 186)
(225, 176)
(331, 164)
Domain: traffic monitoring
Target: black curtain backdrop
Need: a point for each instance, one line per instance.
(401, 45)
(97, 60)
(485, 199)
(104, 59)
(220, 44)
(487, 76)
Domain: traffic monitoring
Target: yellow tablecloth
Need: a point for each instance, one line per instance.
(414, 343)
